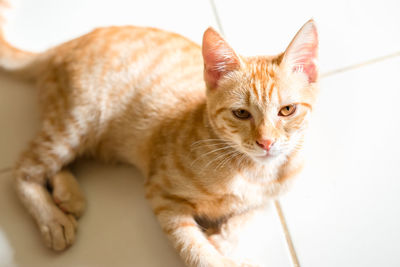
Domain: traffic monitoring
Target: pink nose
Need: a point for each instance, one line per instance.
(265, 144)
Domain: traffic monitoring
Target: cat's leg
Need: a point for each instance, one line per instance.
(176, 216)
(67, 193)
(53, 148)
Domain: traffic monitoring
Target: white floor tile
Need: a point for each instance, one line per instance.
(350, 31)
(19, 118)
(39, 24)
(344, 210)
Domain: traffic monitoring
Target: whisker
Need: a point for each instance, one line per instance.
(241, 159)
(212, 143)
(223, 162)
(208, 140)
(221, 146)
(210, 152)
(220, 156)
(206, 145)
(226, 158)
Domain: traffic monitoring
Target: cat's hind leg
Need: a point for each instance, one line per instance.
(54, 147)
(67, 193)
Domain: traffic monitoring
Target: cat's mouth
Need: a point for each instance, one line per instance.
(259, 155)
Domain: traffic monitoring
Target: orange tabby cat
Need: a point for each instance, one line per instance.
(216, 134)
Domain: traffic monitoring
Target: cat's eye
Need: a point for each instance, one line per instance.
(241, 114)
(287, 110)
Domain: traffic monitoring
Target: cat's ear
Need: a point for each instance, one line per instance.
(302, 52)
(219, 58)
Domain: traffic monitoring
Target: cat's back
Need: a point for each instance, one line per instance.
(112, 69)
(130, 81)
(121, 64)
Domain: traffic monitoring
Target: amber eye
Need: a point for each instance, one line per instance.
(241, 114)
(287, 110)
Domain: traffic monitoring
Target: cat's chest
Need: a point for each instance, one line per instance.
(239, 195)
(249, 190)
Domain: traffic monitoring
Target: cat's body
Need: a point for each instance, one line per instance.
(137, 95)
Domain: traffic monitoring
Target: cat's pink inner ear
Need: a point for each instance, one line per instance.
(302, 53)
(219, 58)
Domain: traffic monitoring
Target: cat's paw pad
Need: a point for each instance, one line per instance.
(58, 230)
(67, 194)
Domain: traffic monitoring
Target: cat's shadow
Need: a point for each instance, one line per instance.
(118, 227)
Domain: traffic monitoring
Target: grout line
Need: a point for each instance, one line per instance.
(219, 24)
(288, 238)
(362, 64)
(6, 169)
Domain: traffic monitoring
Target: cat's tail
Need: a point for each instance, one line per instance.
(20, 63)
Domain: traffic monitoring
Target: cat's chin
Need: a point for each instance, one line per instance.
(264, 159)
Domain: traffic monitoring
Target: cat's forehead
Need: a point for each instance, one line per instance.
(262, 79)
(262, 67)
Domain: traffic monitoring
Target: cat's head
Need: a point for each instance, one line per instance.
(260, 105)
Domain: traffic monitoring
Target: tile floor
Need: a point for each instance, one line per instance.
(344, 209)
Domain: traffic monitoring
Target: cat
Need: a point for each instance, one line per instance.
(216, 134)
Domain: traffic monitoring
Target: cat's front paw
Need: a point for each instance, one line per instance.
(220, 243)
(58, 229)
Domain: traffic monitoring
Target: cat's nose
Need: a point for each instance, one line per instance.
(265, 143)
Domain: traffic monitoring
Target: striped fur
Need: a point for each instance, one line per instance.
(137, 95)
